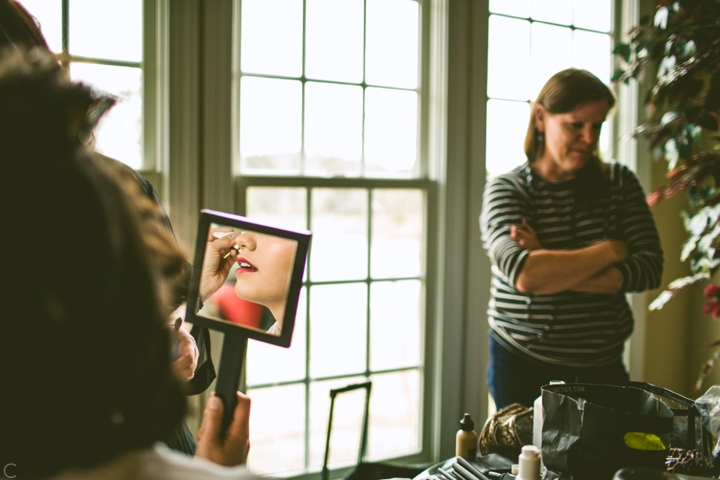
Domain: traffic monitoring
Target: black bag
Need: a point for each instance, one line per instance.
(591, 431)
(688, 431)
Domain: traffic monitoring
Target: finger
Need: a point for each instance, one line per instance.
(188, 374)
(186, 348)
(185, 361)
(225, 242)
(240, 426)
(220, 232)
(519, 234)
(238, 434)
(212, 416)
(528, 227)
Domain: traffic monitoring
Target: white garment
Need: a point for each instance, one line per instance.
(275, 329)
(158, 463)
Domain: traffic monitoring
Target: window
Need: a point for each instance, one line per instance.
(528, 42)
(328, 124)
(329, 133)
(102, 43)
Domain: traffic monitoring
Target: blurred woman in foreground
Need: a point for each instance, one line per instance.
(85, 357)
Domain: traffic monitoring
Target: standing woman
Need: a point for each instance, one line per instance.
(568, 236)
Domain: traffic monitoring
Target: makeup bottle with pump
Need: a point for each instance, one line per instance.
(466, 440)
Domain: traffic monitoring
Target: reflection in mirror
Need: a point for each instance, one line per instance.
(257, 270)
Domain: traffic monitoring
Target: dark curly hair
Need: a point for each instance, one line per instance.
(84, 352)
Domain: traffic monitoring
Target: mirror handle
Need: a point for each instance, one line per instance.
(231, 365)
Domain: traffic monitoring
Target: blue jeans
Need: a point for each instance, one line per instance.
(514, 379)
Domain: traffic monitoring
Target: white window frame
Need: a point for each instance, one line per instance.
(196, 118)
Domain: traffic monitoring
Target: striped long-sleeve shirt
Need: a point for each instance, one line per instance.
(567, 328)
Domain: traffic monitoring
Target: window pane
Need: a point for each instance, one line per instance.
(120, 132)
(338, 316)
(551, 51)
(277, 429)
(555, 11)
(591, 52)
(390, 131)
(339, 226)
(49, 14)
(267, 363)
(506, 127)
(271, 37)
(395, 324)
(604, 141)
(281, 206)
(392, 43)
(347, 422)
(270, 125)
(508, 58)
(516, 8)
(397, 233)
(111, 29)
(333, 129)
(334, 44)
(595, 15)
(394, 414)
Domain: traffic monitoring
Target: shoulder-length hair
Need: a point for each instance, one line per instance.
(563, 93)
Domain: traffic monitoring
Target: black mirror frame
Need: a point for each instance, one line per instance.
(207, 218)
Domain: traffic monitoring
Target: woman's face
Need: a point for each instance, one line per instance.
(265, 263)
(570, 139)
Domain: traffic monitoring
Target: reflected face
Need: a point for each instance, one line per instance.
(264, 266)
(571, 139)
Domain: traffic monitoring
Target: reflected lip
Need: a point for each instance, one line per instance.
(245, 265)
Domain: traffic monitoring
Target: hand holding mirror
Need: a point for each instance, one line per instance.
(246, 283)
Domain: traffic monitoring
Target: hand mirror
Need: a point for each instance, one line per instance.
(246, 283)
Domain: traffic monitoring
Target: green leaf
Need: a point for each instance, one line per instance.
(683, 282)
(667, 65)
(669, 117)
(706, 265)
(661, 300)
(661, 18)
(671, 153)
(706, 192)
(622, 49)
(684, 148)
(689, 49)
(705, 245)
(672, 289)
(702, 220)
(619, 72)
(694, 133)
(689, 247)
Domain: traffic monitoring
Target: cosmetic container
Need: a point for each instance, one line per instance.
(466, 440)
(529, 463)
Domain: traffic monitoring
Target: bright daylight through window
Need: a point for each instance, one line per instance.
(528, 41)
(108, 56)
(328, 141)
